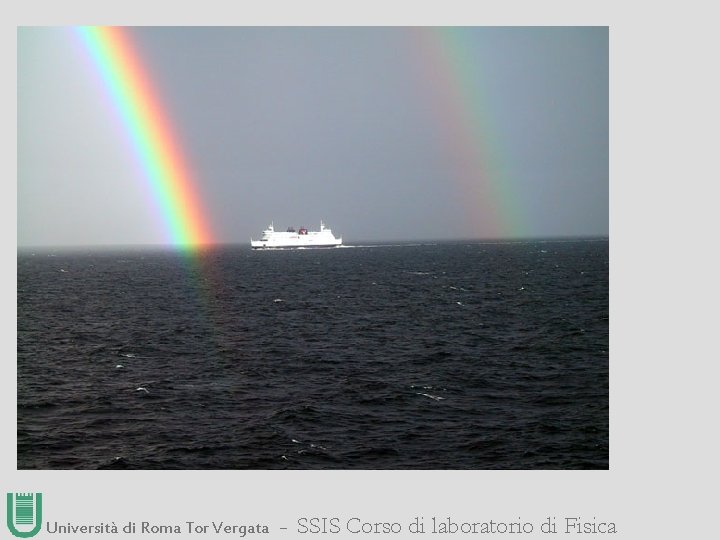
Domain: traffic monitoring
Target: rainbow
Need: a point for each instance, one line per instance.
(455, 94)
(151, 134)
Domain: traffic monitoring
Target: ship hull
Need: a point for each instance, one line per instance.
(260, 248)
(259, 244)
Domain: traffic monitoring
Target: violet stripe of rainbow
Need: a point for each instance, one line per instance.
(149, 130)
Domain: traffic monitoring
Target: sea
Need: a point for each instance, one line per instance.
(428, 355)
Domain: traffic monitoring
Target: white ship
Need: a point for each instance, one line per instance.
(302, 238)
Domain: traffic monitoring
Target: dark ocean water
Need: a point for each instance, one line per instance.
(434, 356)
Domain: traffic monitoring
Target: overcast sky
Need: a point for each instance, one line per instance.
(384, 133)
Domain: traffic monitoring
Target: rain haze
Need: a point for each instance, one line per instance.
(386, 134)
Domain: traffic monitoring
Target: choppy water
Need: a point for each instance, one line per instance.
(450, 355)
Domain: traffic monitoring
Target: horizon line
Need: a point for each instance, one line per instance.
(359, 242)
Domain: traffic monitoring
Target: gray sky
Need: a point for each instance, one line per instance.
(384, 133)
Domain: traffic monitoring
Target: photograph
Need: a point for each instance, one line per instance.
(313, 248)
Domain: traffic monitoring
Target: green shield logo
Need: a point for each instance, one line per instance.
(24, 514)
